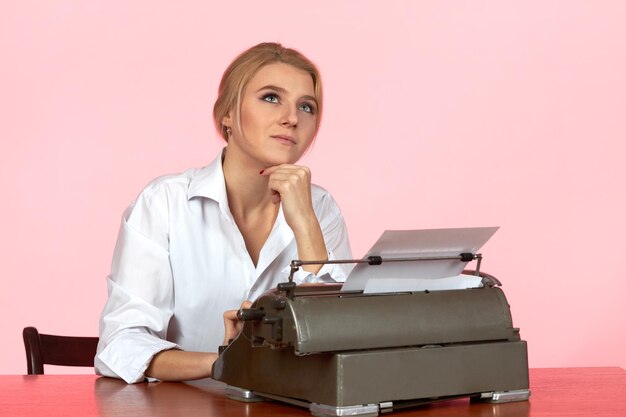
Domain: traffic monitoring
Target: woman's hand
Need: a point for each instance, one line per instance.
(232, 325)
(291, 186)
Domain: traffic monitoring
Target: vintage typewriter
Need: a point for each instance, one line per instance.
(342, 353)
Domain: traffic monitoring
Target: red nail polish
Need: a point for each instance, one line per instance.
(261, 171)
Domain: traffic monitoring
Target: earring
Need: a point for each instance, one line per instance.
(228, 130)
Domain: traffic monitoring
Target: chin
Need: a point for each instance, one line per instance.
(282, 159)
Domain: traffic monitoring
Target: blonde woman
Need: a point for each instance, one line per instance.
(197, 244)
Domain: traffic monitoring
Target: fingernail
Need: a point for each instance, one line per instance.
(261, 171)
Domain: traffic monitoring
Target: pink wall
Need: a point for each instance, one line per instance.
(438, 114)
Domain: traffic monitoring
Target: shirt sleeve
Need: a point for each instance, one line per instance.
(134, 322)
(337, 243)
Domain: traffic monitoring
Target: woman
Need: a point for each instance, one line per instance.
(196, 244)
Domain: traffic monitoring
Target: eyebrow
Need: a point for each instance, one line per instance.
(282, 90)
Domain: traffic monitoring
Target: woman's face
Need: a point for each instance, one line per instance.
(278, 116)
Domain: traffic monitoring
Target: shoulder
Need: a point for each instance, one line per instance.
(319, 193)
(323, 201)
(169, 184)
(160, 193)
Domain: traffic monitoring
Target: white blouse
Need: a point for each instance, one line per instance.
(180, 261)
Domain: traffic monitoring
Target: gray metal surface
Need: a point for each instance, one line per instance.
(241, 394)
(380, 349)
(368, 377)
(498, 397)
(336, 322)
(366, 410)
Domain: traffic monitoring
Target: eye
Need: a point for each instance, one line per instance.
(306, 107)
(270, 98)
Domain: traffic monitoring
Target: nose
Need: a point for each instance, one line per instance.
(289, 118)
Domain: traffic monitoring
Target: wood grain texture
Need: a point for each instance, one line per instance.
(555, 392)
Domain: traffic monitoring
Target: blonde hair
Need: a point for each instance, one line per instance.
(245, 66)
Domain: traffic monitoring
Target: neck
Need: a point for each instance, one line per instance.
(246, 189)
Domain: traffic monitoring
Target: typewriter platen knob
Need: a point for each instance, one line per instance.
(250, 314)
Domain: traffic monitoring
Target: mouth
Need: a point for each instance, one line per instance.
(287, 140)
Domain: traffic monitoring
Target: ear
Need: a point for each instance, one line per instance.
(227, 120)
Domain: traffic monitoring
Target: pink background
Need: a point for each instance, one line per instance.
(438, 114)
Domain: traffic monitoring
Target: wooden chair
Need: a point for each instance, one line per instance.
(57, 350)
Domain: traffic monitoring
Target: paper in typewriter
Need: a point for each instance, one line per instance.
(419, 275)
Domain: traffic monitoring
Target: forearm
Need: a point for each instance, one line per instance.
(310, 242)
(178, 365)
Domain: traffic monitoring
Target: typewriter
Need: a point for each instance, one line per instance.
(341, 353)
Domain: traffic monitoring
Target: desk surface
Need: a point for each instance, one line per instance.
(555, 392)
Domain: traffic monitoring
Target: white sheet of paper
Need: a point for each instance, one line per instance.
(459, 282)
(399, 276)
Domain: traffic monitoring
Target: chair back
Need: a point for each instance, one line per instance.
(57, 350)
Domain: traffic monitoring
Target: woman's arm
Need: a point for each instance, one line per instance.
(178, 365)
(291, 185)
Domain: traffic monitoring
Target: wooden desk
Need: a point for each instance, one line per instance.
(555, 392)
